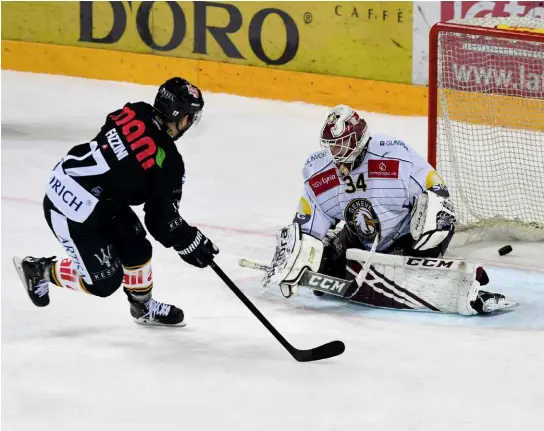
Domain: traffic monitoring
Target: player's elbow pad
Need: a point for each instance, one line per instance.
(432, 220)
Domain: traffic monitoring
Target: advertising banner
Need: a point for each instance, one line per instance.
(370, 40)
(426, 14)
(482, 9)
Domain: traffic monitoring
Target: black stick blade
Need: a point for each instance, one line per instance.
(329, 350)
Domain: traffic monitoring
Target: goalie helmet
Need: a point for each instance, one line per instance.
(345, 135)
(177, 98)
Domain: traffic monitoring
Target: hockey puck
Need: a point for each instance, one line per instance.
(505, 250)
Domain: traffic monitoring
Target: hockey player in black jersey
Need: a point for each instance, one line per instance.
(132, 161)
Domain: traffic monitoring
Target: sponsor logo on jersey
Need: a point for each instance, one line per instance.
(304, 212)
(383, 169)
(134, 131)
(74, 255)
(104, 257)
(97, 191)
(67, 196)
(324, 181)
(362, 220)
(116, 144)
(108, 272)
(315, 157)
(391, 143)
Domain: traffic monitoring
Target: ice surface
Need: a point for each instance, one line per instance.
(82, 364)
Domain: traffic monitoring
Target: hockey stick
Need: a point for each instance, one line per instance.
(360, 278)
(334, 348)
(244, 263)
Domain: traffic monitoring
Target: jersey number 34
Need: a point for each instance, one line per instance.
(352, 187)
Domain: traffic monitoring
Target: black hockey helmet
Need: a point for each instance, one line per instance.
(177, 98)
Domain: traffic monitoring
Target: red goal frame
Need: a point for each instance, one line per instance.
(433, 67)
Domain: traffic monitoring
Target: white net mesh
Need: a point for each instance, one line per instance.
(490, 126)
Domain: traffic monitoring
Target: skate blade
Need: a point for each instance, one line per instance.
(18, 263)
(148, 322)
(499, 307)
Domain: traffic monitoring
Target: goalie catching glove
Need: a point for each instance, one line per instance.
(433, 217)
(295, 252)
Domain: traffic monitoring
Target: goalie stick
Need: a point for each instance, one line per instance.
(328, 350)
(325, 283)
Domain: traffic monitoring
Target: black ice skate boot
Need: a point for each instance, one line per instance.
(488, 302)
(35, 274)
(147, 311)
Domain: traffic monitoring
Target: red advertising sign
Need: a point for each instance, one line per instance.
(324, 181)
(486, 64)
(484, 9)
(383, 168)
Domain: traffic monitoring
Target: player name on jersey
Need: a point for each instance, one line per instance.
(116, 144)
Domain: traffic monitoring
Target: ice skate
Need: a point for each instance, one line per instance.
(488, 302)
(34, 273)
(148, 311)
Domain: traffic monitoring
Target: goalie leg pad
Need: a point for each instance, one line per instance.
(425, 284)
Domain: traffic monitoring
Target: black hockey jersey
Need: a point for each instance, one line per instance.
(132, 161)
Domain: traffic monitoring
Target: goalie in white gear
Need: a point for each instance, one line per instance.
(382, 189)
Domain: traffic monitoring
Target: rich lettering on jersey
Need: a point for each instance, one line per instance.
(133, 130)
(67, 196)
(383, 168)
(116, 144)
(324, 181)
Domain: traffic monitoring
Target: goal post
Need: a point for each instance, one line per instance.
(486, 122)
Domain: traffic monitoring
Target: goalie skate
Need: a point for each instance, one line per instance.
(488, 302)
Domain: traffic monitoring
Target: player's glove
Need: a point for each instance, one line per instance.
(198, 250)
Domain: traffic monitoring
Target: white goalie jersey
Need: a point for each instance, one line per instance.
(373, 199)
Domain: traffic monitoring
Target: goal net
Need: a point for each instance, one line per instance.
(486, 123)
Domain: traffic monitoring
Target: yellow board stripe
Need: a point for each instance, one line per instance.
(249, 81)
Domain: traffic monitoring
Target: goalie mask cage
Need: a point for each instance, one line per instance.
(486, 123)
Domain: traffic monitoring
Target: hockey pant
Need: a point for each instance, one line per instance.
(107, 250)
